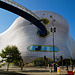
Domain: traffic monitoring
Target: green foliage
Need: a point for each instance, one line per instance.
(2, 64)
(10, 54)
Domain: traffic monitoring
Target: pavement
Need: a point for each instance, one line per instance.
(31, 71)
(10, 73)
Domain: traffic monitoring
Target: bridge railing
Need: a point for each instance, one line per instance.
(20, 7)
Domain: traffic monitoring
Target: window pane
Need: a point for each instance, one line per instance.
(43, 48)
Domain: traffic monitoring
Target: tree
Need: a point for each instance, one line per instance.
(10, 54)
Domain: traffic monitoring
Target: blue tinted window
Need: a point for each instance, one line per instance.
(43, 48)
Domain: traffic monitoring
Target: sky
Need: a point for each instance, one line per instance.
(65, 8)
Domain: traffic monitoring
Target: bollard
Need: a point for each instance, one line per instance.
(50, 69)
(58, 70)
(48, 65)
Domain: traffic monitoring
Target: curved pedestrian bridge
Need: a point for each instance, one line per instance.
(25, 13)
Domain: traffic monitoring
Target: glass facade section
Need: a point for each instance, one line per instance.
(45, 21)
(38, 33)
(45, 48)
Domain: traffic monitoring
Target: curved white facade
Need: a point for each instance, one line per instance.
(23, 34)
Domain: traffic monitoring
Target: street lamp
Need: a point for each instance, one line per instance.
(53, 30)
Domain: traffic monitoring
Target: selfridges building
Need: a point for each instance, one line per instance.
(25, 36)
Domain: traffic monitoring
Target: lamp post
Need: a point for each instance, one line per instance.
(53, 30)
